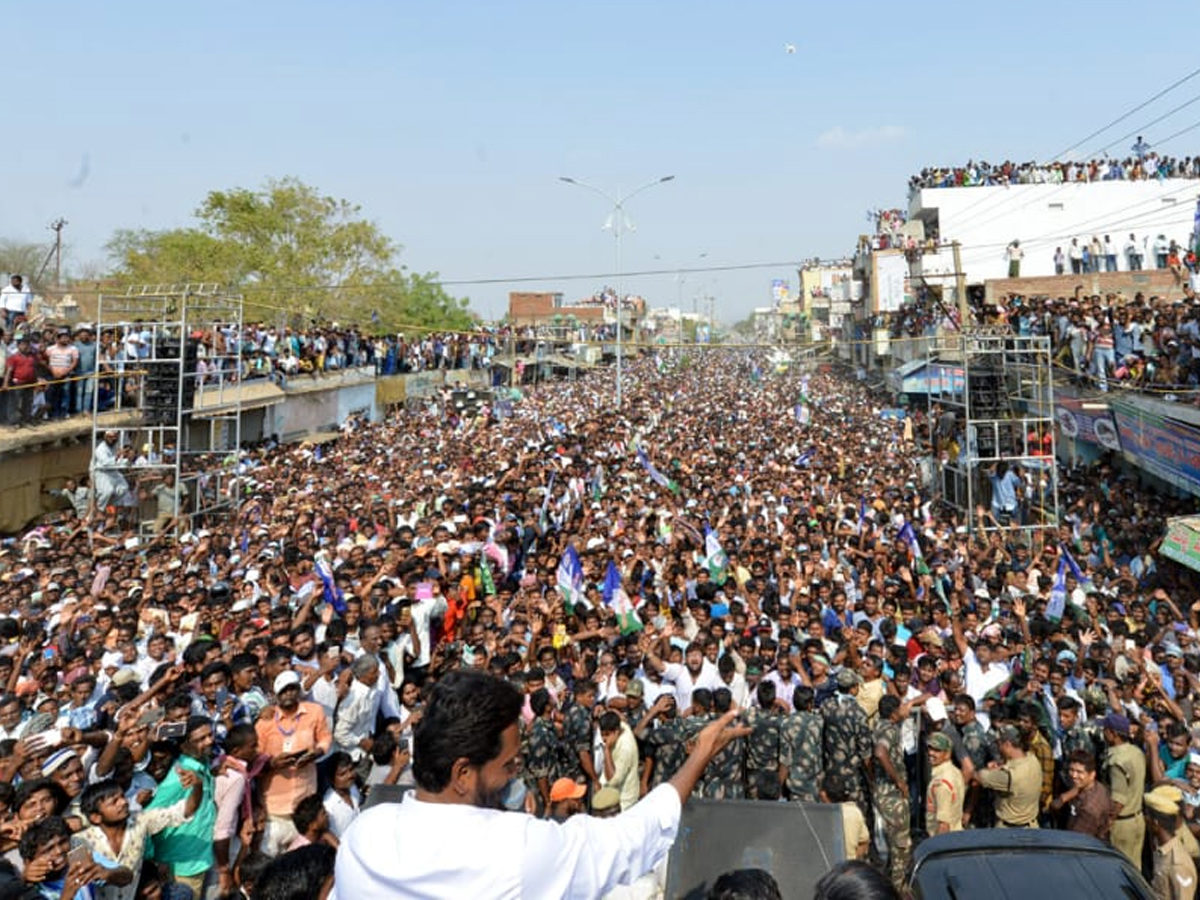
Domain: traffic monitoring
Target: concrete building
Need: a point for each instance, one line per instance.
(1044, 217)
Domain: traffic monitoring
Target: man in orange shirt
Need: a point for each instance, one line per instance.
(295, 735)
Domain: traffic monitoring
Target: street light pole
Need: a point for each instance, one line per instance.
(619, 225)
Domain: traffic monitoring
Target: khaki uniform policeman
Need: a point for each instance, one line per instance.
(1126, 768)
(944, 797)
(1174, 871)
(1017, 783)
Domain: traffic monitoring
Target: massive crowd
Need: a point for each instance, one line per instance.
(1141, 165)
(209, 714)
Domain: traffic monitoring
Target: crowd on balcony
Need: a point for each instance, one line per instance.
(1148, 165)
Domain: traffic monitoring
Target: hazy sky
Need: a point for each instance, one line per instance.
(451, 122)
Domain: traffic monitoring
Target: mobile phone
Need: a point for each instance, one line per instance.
(171, 731)
(79, 856)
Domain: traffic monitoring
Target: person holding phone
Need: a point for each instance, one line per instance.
(116, 838)
(52, 868)
(293, 735)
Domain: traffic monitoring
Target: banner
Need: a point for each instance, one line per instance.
(1163, 447)
(1087, 420)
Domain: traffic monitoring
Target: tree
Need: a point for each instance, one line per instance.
(22, 258)
(293, 253)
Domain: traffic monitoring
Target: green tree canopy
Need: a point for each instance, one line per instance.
(291, 252)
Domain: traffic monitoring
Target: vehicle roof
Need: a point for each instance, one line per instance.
(1024, 864)
(1033, 839)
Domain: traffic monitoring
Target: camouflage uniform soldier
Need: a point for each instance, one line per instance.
(665, 739)
(577, 734)
(800, 749)
(846, 744)
(723, 778)
(762, 746)
(543, 760)
(891, 788)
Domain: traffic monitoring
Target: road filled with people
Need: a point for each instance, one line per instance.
(734, 586)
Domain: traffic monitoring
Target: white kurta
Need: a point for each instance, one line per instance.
(431, 850)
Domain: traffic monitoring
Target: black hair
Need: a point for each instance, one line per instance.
(888, 705)
(95, 794)
(215, 668)
(308, 810)
(243, 661)
(702, 699)
(465, 717)
(746, 884)
(539, 701)
(803, 698)
(39, 834)
(239, 736)
(854, 880)
(766, 694)
(27, 789)
(722, 700)
(609, 721)
(250, 869)
(296, 875)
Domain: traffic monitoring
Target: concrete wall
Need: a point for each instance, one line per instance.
(1045, 216)
(1157, 282)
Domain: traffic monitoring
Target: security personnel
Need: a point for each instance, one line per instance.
(1174, 871)
(1126, 768)
(1017, 783)
(890, 790)
(944, 796)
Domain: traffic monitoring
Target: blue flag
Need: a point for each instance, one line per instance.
(612, 583)
(862, 513)
(1069, 561)
(333, 593)
(909, 536)
(656, 476)
(1058, 593)
(570, 578)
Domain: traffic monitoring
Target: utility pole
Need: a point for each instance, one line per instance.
(57, 227)
(960, 288)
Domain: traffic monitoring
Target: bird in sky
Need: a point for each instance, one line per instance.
(790, 48)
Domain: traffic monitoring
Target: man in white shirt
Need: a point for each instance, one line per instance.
(15, 299)
(694, 672)
(355, 725)
(982, 672)
(466, 750)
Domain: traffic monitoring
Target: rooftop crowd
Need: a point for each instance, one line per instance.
(1143, 165)
(208, 715)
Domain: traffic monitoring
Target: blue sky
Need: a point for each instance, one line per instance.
(450, 122)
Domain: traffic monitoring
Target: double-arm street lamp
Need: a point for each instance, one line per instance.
(619, 224)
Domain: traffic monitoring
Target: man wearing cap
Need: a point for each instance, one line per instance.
(1174, 872)
(944, 796)
(294, 735)
(1017, 783)
(846, 740)
(1125, 766)
(566, 799)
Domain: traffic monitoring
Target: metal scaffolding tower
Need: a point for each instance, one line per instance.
(992, 410)
(178, 362)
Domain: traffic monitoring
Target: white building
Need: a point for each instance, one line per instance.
(1043, 217)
